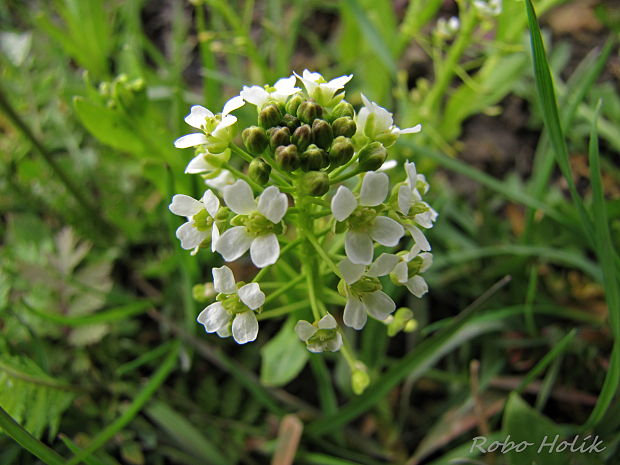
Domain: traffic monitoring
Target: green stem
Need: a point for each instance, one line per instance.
(344, 177)
(240, 175)
(284, 310)
(284, 289)
(315, 243)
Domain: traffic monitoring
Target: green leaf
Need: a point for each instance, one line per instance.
(523, 423)
(31, 396)
(283, 357)
(108, 125)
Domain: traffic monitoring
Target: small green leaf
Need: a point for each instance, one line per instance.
(283, 357)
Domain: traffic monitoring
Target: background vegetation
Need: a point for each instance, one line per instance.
(100, 355)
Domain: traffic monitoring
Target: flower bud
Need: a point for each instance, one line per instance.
(302, 137)
(287, 157)
(255, 140)
(359, 380)
(372, 156)
(269, 116)
(308, 111)
(341, 152)
(293, 103)
(315, 183)
(322, 133)
(290, 121)
(279, 136)
(313, 158)
(259, 171)
(344, 126)
(343, 109)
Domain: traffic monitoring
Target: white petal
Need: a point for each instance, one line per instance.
(427, 261)
(420, 241)
(189, 236)
(374, 189)
(255, 95)
(224, 280)
(251, 295)
(233, 104)
(417, 286)
(354, 313)
(224, 331)
(273, 204)
(383, 265)
(401, 272)
(367, 103)
(265, 250)
(286, 86)
(388, 165)
(214, 317)
(233, 243)
(227, 120)
(343, 203)
(190, 140)
(211, 202)
(327, 322)
(386, 231)
(197, 116)
(184, 205)
(378, 304)
(245, 327)
(358, 247)
(239, 197)
(339, 82)
(405, 199)
(427, 218)
(412, 130)
(412, 174)
(333, 345)
(350, 271)
(305, 330)
(198, 164)
(225, 178)
(215, 237)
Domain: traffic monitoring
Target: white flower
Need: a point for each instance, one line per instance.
(320, 90)
(488, 8)
(405, 268)
(221, 180)
(200, 216)
(363, 291)
(447, 28)
(376, 123)
(236, 305)
(409, 195)
(200, 165)
(217, 129)
(259, 224)
(364, 224)
(280, 92)
(320, 336)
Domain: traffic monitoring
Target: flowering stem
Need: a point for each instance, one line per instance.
(315, 243)
(285, 309)
(347, 352)
(242, 153)
(344, 177)
(340, 169)
(284, 289)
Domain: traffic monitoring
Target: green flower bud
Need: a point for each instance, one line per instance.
(259, 171)
(313, 158)
(269, 116)
(359, 380)
(279, 136)
(343, 109)
(308, 111)
(287, 157)
(302, 137)
(344, 126)
(255, 140)
(322, 133)
(293, 103)
(372, 156)
(341, 152)
(315, 183)
(290, 121)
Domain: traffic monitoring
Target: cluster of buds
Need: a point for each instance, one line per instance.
(315, 171)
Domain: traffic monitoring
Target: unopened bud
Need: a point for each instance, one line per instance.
(308, 111)
(313, 158)
(341, 152)
(359, 381)
(269, 116)
(287, 157)
(342, 109)
(372, 156)
(322, 133)
(315, 183)
(344, 126)
(293, 103)
(259, 171)
(302, 137)
(279, 136)
(255, 140)
(290, 121)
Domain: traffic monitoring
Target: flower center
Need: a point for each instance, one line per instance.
(203, 221)
(232, 304)
(322, 335)
(365, 285)
(361, 219)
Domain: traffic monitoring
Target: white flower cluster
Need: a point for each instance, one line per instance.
(308, 142)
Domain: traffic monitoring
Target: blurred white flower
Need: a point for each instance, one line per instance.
(377, 124)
